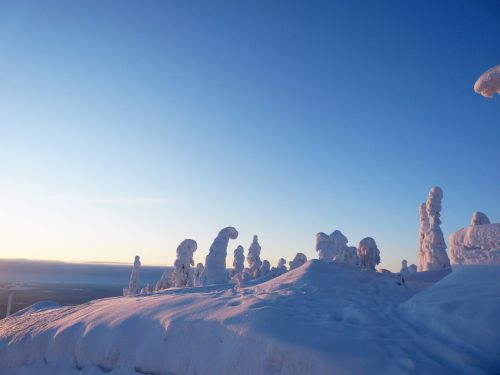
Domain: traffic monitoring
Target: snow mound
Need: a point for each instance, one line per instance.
(489, 82)
(320, 318)
(462, 311)
(476, 244)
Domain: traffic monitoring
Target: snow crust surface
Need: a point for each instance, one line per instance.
(320, 318)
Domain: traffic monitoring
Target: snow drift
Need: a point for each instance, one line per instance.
(320, 318)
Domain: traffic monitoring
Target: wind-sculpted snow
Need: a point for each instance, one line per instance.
(476, 244)
(489, 82)
(321, 318)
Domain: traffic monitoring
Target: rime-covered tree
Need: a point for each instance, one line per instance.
(280, 268)
(239, 260)
(198, 271)
(265, 268)
(478, 218)
(424, 228)
(434, 254)
(404, 267)
(215, 263)
(183, 263)
(253, 258)
(325, 247)
(368, 253)
(298, 261)
(133, 285)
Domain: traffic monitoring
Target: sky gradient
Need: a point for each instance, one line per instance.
(126, 127)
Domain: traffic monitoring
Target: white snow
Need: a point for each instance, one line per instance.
(320, 318)
(489, 82)
(215, 263)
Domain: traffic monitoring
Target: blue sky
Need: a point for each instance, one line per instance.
(126, 127)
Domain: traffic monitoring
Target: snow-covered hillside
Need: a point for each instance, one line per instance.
(320, 318)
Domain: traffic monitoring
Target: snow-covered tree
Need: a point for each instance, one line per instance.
(265, 268)
(215, 263)
(424, 228)
(133, 287)
(325, 247)
(298, 261)
(404, 267)
(183, 263)
(478, 218)
(239, 260)
(412, 268)
(368, 253)
(165, 281)
(280, 269)
(349, 255)
(198, 271)
(147, 289)
(253, 258)
(433, 255)
(489, 82)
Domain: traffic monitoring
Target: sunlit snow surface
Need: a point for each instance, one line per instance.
(321, 318)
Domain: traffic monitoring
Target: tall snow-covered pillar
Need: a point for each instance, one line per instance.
(253, 258)
(239, 260)
(215, 263)
(134, 278)
(433, 255)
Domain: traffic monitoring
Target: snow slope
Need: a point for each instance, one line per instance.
(321, 318)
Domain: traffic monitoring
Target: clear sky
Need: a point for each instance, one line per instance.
(126, 127)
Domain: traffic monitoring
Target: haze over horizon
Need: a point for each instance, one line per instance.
(125, 130)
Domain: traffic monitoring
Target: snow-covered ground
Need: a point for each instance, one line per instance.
(320, 318)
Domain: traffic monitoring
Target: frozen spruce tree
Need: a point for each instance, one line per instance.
(433, 255)
(239, 260)
(215, 263)
(325, 247)
(198, 271)
(133, 288)
(424, 228)
(404, 267)
(253, 258)
(183, 263)
(298, 261)
(368, 253)
(280, 269)
(265, 268)
(478, 218)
